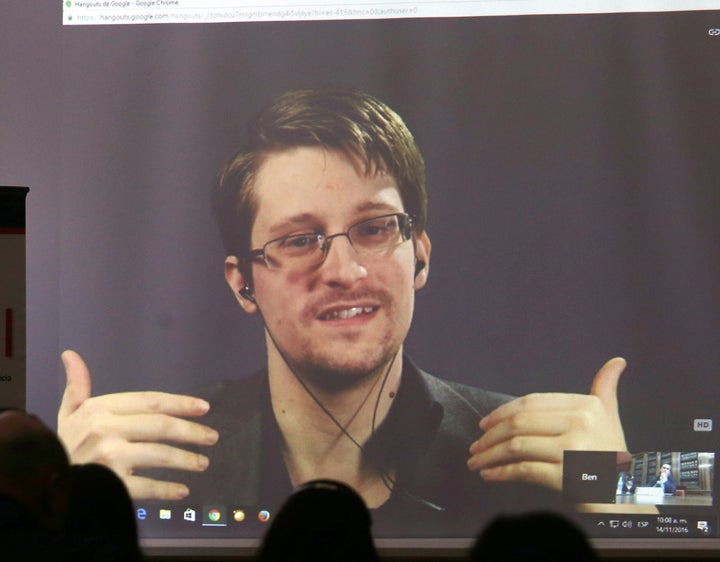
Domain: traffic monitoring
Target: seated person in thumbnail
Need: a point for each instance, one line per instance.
(664, 480)
(323, 215)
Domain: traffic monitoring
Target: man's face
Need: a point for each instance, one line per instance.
(347, 317)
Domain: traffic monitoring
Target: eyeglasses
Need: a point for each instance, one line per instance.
(665, 467)
(309, 249)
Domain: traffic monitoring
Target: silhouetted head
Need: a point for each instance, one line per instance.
(33, 467)
(323, 520)
(534, 537)
(95, 489)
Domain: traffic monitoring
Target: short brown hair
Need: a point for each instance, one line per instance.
(348, 121)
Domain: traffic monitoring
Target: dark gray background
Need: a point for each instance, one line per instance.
(574, 204)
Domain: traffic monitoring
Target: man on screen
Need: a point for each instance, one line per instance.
(664, 480)
(323, 215)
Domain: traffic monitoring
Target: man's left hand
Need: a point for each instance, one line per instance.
(524, 439)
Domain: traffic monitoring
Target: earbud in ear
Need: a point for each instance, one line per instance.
(247, 293)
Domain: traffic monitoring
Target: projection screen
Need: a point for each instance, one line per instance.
(574, 214)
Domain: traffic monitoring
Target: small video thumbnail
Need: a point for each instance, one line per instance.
(651, 478)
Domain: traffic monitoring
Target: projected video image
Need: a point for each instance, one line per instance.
(667, 478)
(465, 265)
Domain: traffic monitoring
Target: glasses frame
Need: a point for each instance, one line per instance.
(326, 240)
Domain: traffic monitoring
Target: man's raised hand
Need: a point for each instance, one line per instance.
(131, 430)
(524, 439)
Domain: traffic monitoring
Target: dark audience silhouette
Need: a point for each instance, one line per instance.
(100, 513)
(55, 512)
(537, 537)
(323, 520)
(34, 472)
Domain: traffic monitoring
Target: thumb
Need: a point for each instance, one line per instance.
(78, 386)
(605, 383)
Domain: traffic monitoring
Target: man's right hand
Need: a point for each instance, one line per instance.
(130, 430)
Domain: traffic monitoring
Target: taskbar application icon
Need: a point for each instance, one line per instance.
(243, 519)
(214, 516)
(187, 514)
(151, 513)
(244, 515)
